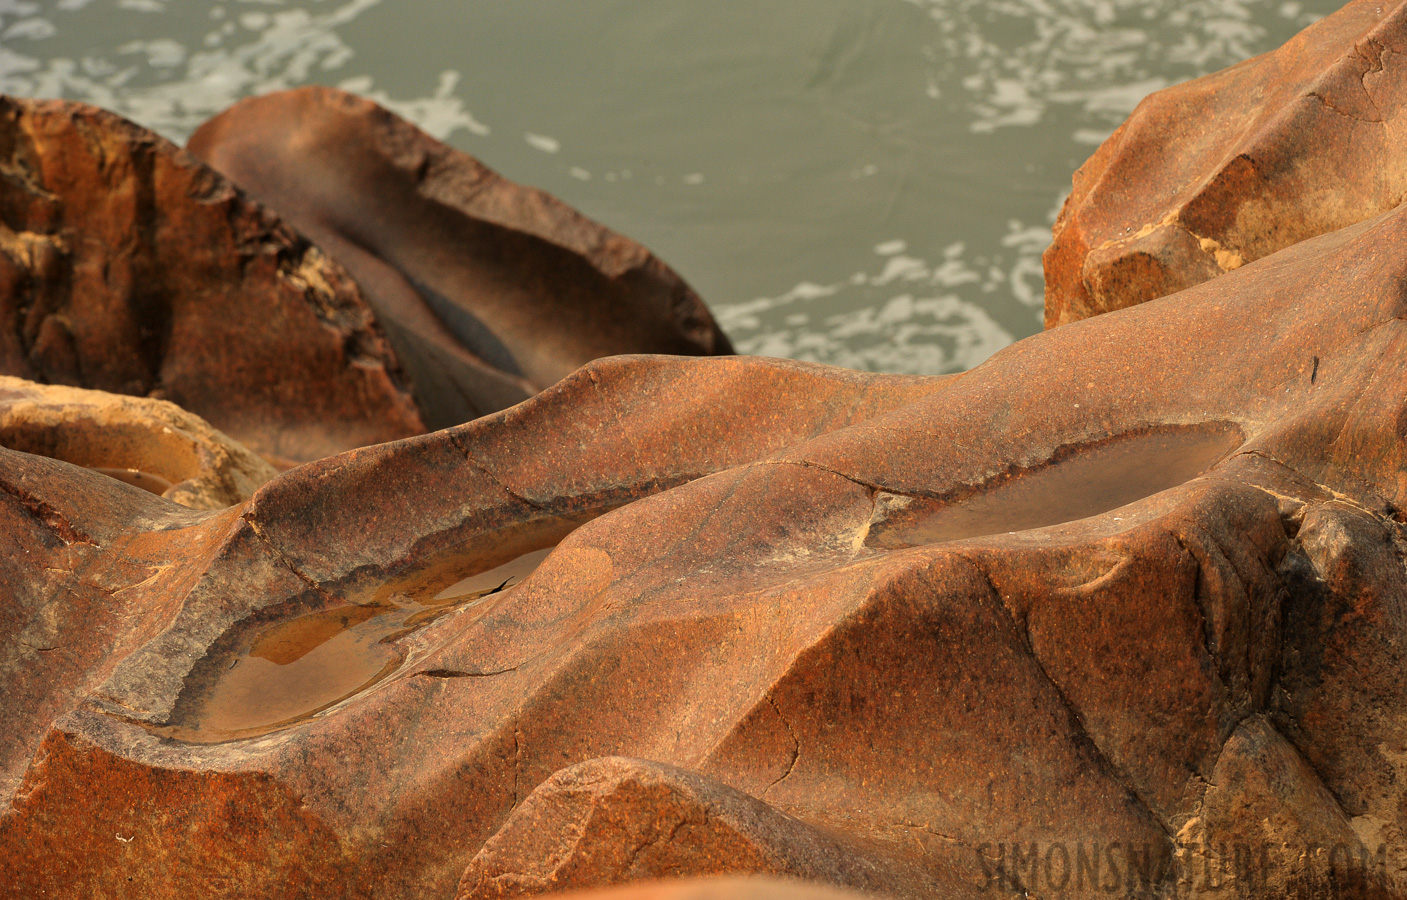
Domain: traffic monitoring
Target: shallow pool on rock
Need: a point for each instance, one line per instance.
(147, 481)
(292, 669)
(1077, 483)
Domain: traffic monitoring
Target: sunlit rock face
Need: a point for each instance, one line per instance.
(888, 633)
(1211, 174)
(148, 443)
(489, 290)
(734, 888)
(128, 266)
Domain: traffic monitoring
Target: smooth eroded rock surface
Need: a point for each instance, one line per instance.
(128, 266)
(148, 443)
(1079, 622)
(1211, 174)
(490, 291)
(717, 889)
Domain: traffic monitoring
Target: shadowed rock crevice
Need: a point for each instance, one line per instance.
(464, 267)
(456, 673)
(43, 512)
(795, 750)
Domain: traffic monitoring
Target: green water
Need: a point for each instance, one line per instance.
(868, 183)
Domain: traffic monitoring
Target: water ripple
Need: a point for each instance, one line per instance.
(193, 66)
(897, 162)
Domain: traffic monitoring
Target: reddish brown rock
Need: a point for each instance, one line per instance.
(717, 889)
(1211, 174)
(617, 820)
(489, 290)
(1075, 623)
(141, 586)
(149, 443)
(128, 266)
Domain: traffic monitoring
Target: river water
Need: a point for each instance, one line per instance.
(868, 183)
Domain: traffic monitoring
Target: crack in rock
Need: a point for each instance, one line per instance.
(795, 750)
(459, 673)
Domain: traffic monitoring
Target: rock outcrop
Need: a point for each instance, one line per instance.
(128, 266)
(1123, 611)
(1209, 175)
(152, 444)
(490, 291)
(1141, 631)
(717, 889)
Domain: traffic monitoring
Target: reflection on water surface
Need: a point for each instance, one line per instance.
(283, 672)
(861, 182)
(1078, 483)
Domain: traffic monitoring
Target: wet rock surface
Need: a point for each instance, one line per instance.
(1211, 174)
(794, 621)
(489, 290)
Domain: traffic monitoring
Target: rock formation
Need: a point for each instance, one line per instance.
(489, 291)
(1209, 175)
(1141, 631)
(128, 266)
(149, 443)
(717, 889)
(1123, 611)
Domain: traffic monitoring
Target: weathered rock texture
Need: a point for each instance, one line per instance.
(1138, 617)
(128, 266)
(717, 889)
(150, 443)
(489, 290)
(1229, 168)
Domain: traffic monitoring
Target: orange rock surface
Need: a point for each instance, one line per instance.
(1121, 612)
(717, 889)
(149, 443)
(796, 621)
(1209, 175)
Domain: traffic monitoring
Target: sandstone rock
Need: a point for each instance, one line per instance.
(490, 291)
(128, 266)
(616, 820)
(1211, 174)
(717, 889)
(148, 443)
(121, 595)
(1078, 622)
